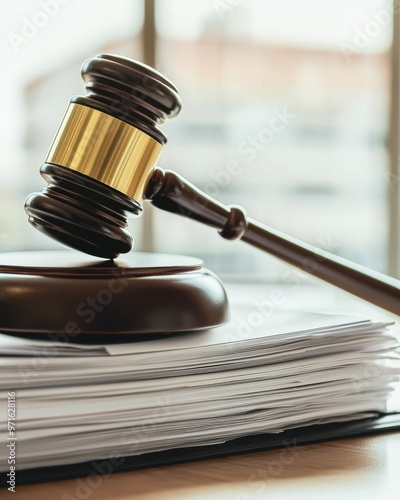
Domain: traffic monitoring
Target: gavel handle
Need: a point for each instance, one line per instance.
(171, 192)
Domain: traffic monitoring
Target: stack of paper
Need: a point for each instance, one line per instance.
(84, 402)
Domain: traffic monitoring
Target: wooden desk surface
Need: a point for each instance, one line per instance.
(361, 468)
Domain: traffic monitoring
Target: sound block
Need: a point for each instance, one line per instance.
(68, 295)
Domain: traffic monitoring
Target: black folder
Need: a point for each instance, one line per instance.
(287, 439)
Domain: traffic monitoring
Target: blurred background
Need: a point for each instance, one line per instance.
(290, 109)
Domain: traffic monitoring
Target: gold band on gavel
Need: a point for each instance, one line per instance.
(105, 148)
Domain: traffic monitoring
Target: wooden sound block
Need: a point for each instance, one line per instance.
(72, 297)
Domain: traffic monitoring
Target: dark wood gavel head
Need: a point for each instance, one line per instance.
(103, 156)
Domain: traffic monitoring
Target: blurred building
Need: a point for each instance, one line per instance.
(295, 134)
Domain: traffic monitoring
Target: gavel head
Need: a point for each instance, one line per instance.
(103, 156)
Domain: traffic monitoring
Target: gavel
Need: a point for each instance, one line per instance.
(102, 165)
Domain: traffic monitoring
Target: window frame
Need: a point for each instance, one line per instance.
(394, 153)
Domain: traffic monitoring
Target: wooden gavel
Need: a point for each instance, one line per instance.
(101, 166)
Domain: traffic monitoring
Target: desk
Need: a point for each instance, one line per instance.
(357, 468)
(361, 468)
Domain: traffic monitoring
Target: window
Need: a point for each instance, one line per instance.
(286, 111)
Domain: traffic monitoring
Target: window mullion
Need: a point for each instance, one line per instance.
(394, 172)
